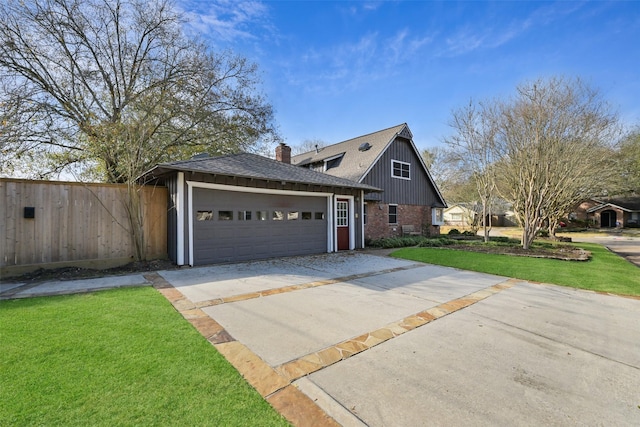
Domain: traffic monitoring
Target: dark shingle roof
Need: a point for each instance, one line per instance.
(249, 165)
(630, 204)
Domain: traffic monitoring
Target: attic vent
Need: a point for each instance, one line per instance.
(364, 146)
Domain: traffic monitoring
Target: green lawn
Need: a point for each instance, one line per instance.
(605, 271)
(122, 357)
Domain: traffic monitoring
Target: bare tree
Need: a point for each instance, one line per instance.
(628, 163)
(113, 87)
(552, 139)
(308, 145)
(473, 148)
(443, 168)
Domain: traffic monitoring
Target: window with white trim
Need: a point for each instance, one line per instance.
(437, 215)
(393, 214)
(400, 169)
(342, 211)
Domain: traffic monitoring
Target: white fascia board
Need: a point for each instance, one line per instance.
(180, 219)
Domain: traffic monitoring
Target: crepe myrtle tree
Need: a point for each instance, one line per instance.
(544, 149)
(473, 148)
(106, 89)
(552, 145)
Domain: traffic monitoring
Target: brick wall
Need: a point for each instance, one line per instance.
(378, 226)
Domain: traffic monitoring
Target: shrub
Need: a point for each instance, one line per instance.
(454, 232)
(437, 242)
(396, 242)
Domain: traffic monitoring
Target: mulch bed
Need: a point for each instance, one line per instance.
(563, 252)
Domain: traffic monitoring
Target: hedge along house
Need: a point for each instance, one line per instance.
(387, 159)
(246, 207)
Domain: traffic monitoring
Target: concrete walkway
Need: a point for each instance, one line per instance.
(358, 339)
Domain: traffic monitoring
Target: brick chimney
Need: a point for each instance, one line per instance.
(283, 153)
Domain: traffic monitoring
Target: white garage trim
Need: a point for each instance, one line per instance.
(193, 184)
(362, 218)
(180, 219)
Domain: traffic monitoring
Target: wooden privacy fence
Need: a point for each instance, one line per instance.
(53, 224)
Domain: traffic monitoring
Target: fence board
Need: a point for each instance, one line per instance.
(75, 222)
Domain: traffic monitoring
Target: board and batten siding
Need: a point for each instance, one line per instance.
(74, 222)
(416, 191)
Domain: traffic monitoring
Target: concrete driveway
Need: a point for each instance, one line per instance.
(360, 339)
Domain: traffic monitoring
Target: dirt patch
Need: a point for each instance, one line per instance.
(72, 273)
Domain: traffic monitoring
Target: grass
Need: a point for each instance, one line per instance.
(605, 271)
(120, 357)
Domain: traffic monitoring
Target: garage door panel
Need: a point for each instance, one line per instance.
(217, 241)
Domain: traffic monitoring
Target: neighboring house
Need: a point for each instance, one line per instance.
(389, 160)
(463, 214)
(618, 212)
(244, 207)
(459, 215)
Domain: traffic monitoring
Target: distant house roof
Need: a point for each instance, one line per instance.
(628, 204)
(249, 165)
(358, 154)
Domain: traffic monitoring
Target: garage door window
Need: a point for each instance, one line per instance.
(261, 215)
(292, 216)
(306, 215)
(277, 216)
(225, 215)
(244, 215)
(204, 216)
(319, 215)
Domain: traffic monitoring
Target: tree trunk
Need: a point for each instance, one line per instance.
(134, 207)
(484, 222)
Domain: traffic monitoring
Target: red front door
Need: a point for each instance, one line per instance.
(342, 224)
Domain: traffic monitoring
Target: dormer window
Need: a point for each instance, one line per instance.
(400, 169)
(332, 162)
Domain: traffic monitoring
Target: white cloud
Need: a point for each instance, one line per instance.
(227, 20)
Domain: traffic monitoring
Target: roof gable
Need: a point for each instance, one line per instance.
(628, 204)
(359, 155)
(355, 162)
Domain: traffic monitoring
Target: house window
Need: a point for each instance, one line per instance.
(364, 213)
(393, 214)
(332, 162)
(437, 216)
(456, 217)
(341, 214)
(400, 169)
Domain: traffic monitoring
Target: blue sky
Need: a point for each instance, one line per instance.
(334, 70)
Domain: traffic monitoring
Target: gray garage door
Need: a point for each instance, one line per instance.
(233, 226)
